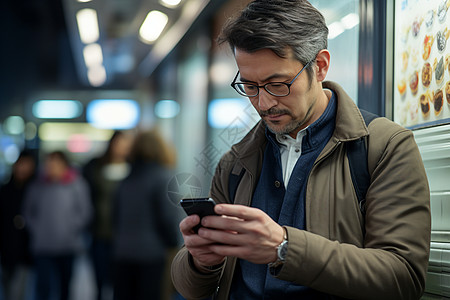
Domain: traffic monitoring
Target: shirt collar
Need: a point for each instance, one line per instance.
(314, 134)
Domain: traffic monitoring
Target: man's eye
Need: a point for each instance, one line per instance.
(250, 87)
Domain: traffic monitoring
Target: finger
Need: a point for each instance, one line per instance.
(238, 211)
(188, 223)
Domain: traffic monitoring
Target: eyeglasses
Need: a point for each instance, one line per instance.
(278, 89)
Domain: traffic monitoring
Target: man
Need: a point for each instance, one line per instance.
(294, 230)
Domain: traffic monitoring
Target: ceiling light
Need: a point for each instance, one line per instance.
(170, 3)
(350, 21)
(96, 75)
(84, 1)
(93, 55)
(113, 113)
(88, 25)
(14, 125)
(57, 109)
(166, 109)
(153, 26)
(224, 113)
(56, 131)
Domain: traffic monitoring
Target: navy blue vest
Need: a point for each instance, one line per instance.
(286, 207)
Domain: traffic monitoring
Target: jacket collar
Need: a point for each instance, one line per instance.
(350, 124)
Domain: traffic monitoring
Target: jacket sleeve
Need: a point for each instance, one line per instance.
(393, 262)
(189, 282)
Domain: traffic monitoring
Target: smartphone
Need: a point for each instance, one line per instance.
(198, 206)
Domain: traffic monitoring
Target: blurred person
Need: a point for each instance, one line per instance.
(57, 210)
(103, 174)
(145, 221)
(294, 228)
(14, 248)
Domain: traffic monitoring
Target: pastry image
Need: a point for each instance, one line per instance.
(414, 57)
(416, 27)
(413, 110)
(438, 67)
(442, 11)
(441, 39)
(427, 72)
(429, 19)
(427, 43)
(438, 101)
(414, 82)
(447, 62)
(447, 92)
(405, 33)
(425, 104)
(405, 59)
(401, 86)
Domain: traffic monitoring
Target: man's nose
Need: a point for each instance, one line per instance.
(266, 100)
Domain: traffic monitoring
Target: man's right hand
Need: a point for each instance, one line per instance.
(199, 247)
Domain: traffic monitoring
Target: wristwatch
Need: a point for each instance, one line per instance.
(281, 252)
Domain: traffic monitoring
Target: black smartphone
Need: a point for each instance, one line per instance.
(198, 206)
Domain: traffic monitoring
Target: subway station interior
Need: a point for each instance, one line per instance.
(73, 72)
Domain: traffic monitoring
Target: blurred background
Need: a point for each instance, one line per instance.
(74, 71)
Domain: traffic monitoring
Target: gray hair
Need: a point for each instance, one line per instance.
(278, 25)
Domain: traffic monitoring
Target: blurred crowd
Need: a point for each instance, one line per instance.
(114, 210)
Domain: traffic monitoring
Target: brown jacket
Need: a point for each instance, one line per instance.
(333, 255)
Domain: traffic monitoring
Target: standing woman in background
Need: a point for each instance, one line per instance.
(57, 210)
(103, 175)
(14, 250)
(145, 221)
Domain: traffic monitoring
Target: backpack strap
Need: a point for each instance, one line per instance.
(233, 181)
(357, 159)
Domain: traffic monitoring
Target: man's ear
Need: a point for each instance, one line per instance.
(323, 63)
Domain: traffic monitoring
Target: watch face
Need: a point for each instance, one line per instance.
(282, 250)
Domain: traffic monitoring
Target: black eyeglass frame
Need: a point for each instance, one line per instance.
(234, 83)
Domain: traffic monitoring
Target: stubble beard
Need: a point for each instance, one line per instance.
(291, 126)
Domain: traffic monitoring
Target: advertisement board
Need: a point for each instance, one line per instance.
(421, 63)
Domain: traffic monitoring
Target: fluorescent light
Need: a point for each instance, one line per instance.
(14, 125)
(57, 109)
(88, 25)
(11, 153)
(350, 21)
(93, 55)
(30, 131)
(223, 113)
(170, 3)
(56, 131)
(153, 26)
(335, 29)
(96, 75)
(113, 113)
(166, 109)
(84, 1)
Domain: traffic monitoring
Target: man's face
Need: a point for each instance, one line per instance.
(284, 115)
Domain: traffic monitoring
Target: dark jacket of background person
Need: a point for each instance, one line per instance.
(14, 238)
(145, 221)
(103, 174)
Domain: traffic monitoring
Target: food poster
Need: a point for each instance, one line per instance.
(421, 63)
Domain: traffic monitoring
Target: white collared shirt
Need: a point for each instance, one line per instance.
(290, 151)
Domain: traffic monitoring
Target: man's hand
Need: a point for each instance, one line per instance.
(244, 232)
(198, 246)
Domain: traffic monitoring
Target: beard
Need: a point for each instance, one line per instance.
(291, 126)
